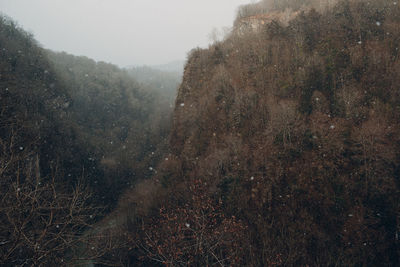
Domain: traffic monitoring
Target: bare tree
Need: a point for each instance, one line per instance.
(194, 233)
(42, 220)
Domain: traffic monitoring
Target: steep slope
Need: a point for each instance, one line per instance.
(74, 134)
(34, 101)
(43, 206)
(292, 133)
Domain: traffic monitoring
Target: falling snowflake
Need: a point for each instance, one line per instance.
(182, 104)
(252, 178)
(378, 23)
(332, 127)
(187, 225)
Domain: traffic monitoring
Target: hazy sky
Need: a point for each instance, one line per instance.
(124, 32)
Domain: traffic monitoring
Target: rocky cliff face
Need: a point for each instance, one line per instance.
(257, 22)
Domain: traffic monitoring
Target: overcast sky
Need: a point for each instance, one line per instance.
(124, 32)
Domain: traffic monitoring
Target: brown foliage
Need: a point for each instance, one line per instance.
(42, 220)
(296, 129)
(193, 232)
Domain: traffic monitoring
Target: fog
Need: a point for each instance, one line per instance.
(123, 32)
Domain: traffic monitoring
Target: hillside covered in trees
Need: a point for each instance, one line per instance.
(285, 145)
(283, 148)
(74, 135)
(165, 81)
(124, 123)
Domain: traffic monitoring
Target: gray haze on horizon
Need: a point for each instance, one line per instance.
(123, 32)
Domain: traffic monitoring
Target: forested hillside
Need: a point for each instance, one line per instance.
(285, 145)
(43, 205)
(74, 135)
(283, 148)
(123, 123)
(166, 82)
